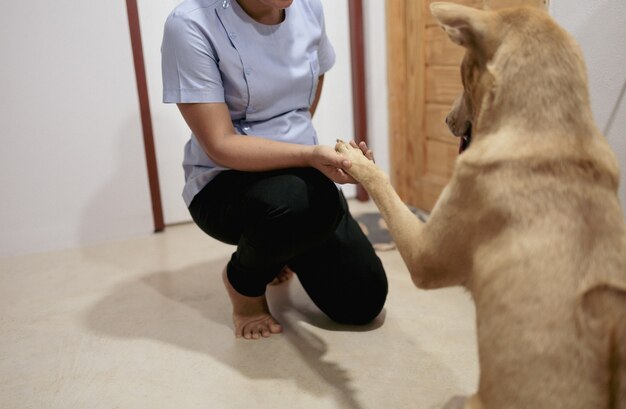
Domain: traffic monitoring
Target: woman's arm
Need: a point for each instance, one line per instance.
(211, 124)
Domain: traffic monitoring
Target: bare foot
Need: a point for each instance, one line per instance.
(251, 315)
(285, 274)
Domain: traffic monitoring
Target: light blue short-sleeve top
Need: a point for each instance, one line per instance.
(267, 75)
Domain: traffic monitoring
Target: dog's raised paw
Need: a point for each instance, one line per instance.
(362, 169)
(354, 154)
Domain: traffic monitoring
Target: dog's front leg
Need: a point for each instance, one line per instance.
(425, 249)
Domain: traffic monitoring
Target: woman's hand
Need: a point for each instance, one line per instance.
(333, 165)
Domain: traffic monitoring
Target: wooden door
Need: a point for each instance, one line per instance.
(424, 80)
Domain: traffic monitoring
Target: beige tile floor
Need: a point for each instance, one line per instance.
(145, 323)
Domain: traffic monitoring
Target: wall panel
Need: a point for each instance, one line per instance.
(72, 166)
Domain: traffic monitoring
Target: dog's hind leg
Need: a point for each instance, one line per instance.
(618, 358)
(603, 317)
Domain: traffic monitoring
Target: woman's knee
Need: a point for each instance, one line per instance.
(359, 311)
(363, 302)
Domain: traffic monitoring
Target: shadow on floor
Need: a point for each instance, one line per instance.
(190, 309)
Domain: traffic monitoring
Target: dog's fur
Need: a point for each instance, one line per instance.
(529, 223)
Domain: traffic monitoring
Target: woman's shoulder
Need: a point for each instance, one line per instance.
(314, 8)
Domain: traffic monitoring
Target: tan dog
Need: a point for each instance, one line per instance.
(530, 222)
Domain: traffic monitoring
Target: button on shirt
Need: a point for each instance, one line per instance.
(267, 75)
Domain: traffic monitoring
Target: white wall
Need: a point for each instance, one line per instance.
(72, 167)
(374, 22)
(600, 28)
(333, 117)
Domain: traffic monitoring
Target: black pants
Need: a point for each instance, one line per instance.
(294, 217)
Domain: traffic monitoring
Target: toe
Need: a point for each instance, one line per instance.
(250, 332)
(275, 328)
(247, 332)
(238, 331)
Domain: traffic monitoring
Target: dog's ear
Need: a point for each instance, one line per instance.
(466, 26)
